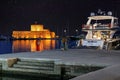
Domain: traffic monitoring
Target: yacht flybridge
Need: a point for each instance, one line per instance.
(100, 29)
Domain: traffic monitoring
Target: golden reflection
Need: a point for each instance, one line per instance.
(52, 44)
(32, 45)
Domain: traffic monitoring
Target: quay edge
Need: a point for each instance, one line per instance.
(44, 67)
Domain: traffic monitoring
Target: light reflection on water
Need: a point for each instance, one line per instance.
(32, 45)
(26, 45)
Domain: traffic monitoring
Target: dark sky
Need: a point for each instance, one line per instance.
(55, 15)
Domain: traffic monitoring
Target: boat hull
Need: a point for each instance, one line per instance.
(92, 43)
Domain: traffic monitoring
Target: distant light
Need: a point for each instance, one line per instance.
(109, 13)
(65, 30)
(76, 30)
(92, 14)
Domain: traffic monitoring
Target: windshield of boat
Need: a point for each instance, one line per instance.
(107, 21)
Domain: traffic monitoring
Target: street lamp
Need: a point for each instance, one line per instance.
(65, 31)
(76, 31)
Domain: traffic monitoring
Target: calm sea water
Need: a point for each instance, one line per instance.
(31, 45)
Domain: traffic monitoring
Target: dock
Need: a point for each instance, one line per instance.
(55, 61)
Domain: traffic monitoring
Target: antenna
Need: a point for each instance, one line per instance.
(100, 12)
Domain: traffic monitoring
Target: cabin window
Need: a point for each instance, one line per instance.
(100, 21)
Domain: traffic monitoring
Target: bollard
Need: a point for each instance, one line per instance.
(64, 45)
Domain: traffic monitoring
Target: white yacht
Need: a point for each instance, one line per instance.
(101, 29)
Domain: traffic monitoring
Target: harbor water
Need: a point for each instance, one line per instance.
(31, 45)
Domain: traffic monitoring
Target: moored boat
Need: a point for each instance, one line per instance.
(101, 30)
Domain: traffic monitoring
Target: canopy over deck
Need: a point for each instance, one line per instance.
(101, 17)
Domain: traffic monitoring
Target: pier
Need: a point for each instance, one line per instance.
(113, 44)
(58, 62)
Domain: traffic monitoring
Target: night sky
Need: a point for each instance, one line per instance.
(55, 15)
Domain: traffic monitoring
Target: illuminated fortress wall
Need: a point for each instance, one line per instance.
(37, 31)
(36, 27)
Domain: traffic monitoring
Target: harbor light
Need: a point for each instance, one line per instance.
(65, 31)
(92, 14)
(109, 13)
